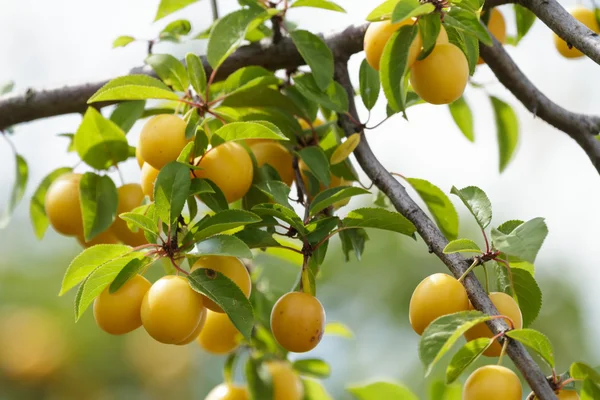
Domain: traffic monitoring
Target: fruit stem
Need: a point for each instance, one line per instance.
(476, 262)
(487, 243)
(503, 351)
(487, 280)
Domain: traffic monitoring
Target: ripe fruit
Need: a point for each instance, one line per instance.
(378, 34)
(63, 206)
(162, 139)
(138, 157)
(286, 383)
(232, 268)
(315, 123)
(436, 295)
(229, 166)
(228, 392)
(171, 310)
(492, 382)
(149, 174)
(119, 312)
(194, 335)
(506, 305)
(562, 395)
(442, 77)
(586, 17)
(497, 27)
(219, 335)
(276, 156)
(298, 321)
(106, 237)
(130, 197)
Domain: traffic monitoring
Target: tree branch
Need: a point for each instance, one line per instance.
(434, 238)
(32, 104)
(581, 128)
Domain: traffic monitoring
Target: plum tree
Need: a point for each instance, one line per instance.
(587, 18)
(229, 166)
(298, 321)
(286, 382)
(219, 335)
(493, 382)
(277, 156)
(131, 196)
(171, 311)
(63, 205)
(162, 139)
(506, 305)
(232, 268)
(436, 295)
(119, 312)
(228, 391)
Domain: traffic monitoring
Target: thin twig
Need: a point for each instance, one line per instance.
(215, 9)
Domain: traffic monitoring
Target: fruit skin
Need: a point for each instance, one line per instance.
(149, 174)
(229, 166)
(286, 382)
(194, 335)
(131, 196)
(232, 268)
(219, 335)
(298, 321)
(106, 237)
(228, 392)
(562, 395)
(171, 310)
(441, 78)
(138, 157)
(492, 382)
(437, 295)
(506, 305)
(304, 125)
(119, 312)
(277, 156)
(377, 36)
(63, 205)
(586, 17)
(162, 139)
(497, 27)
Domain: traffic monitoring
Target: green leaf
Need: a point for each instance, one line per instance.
(394, 65)
(256, 238)
(190, 133)
(214, 200)
(524, 19)
(122, 41)
(382, 11)
(462, 246)
(382, 390)
(443, 332)
(18, 189)
(590, 390)
(167, 7)
(224, 221)
(98, 280)
(133, 87)
(524, 241)
(343, 151)
(528, 293)
(467, 43)
(338, 329)
(133, 267)
(37, 211)
(439, 205)
(464, 357)
(369, 84)
(227, 295)
(334, 97)
(410, 8)
(6, 87)
(468, 22)
(221, 245)
(429, 29)
(196, 73)
(331, 196)
(283, 213)
(277, 191)
(318, 229)
(313, 367)
(141, 221)
(314, 390)
(248, 78)
(170, 70)
(509, 226)
(581, 371)
(100, 142)
(260, 382)
(324, 4)
(99, 201)
(127, 113)
(463, 117)
(317, 55)
(535, 340)
(88, 260)
(171, 190)
(380, 219)
(200, 186)
(227, 35)
(477, 202)
(438, 390)
(317, 163)
(507, 130)
(248, 130)
(175, 29)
